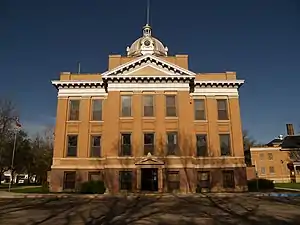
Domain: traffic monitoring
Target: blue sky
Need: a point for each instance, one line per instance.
(259, 39)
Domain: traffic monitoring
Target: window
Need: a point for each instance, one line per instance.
(95, 176)
(228, 179)
(270, 156)
(125, 144)
(148, 143)
(148, 101)
(173, 180)
(125, 180)
(72, 145)
(97, 109)
(199, 108)
(272, 169)
(225, 145)
(261, 156)
(222, 109)
(263, 170)
(203, 178)
(95, 146)
(201, 145)
(126, 105)
(69, 180)
(171, 143)
(171, 106)
(74, 109)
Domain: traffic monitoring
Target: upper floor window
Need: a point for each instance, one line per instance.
(97, 109)
(201, 145)
(172, 143)
(95, 146)
(126, 105)
(148, 101)
(225, 144)
(72, 145)
(74, 105)
(171, 106)
(199, 107)
(272, 169)
(125, 145)
(148, 143)
(222, 109)
(261, 156)
(270, 156)
(263, 170)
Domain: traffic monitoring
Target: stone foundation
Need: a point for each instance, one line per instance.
(188, 179)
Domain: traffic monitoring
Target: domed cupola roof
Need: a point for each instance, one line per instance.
(147, 45)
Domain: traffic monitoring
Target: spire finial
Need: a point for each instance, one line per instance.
(148, 12)
(147, 28)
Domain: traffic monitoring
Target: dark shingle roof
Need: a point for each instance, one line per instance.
(291, 142)
(274, 142)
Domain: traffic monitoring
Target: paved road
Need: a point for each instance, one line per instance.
(150, 210)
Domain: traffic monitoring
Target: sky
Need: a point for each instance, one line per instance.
(259, 39)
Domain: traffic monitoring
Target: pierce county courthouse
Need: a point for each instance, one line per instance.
(149, 123)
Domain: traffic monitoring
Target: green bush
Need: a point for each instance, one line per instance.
(93, 187)
(263, 185)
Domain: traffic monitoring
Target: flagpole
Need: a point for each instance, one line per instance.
(12, 160)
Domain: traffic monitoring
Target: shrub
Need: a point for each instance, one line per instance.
(263, 185)
(93, 187)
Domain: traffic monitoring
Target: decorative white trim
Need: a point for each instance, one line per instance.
(148, 87)
(138, 60)
(226, 82)
(69, 92)
(264, 149)
(165, 72)
(215, 92)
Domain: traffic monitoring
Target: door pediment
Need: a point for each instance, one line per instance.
(149, 160)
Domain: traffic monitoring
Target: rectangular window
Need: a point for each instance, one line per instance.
(148, 143)
(95, 176)
(148, 101)
(74, 109)
(272, 169)
(69, 180)
(270, 156)
(172, 143)
(95, 146)
(228, 179)
(72, 145)
(173, 180)
(203, 179)
(222, 109)
(126, 105)
(261, 156)
(263, 170)
(225, 144)
(171, 106)
(97, 109)
(125, 180)
(199, 108)
(125, 145)
(201, 145)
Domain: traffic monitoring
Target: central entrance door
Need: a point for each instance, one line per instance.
(149, 179)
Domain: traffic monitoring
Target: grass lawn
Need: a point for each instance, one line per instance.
(30, 190)
(288, 185)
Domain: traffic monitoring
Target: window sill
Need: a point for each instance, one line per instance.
(149, 118)
(200, 121)
(96, 121)
(126, 118)
(73, 121)
(171, 118)
(223, 121)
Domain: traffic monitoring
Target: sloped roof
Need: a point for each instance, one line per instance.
(291, 142)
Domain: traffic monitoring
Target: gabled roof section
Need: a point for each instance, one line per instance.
(291, 143)
(158, 63)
